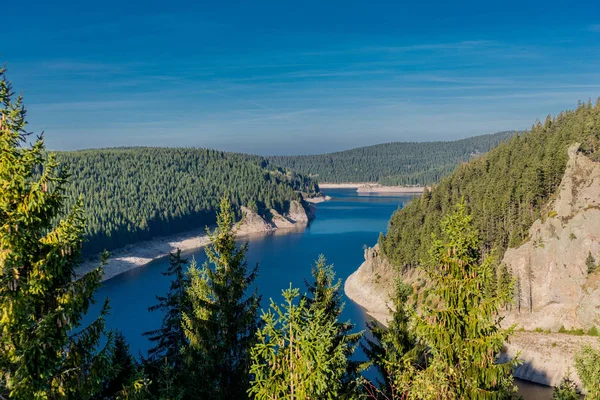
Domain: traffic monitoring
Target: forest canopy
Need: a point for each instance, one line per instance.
(505, 190)
(133, 194)
(398, 163)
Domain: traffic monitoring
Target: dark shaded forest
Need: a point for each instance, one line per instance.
(399, 163)
(133, 194)
(505, 190)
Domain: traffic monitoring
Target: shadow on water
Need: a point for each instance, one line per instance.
(533, 391)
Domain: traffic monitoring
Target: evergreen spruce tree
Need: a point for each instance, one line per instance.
(459, 322)
(223, 319)
(505, 280)
(590, 263)
(393, 349)
(324, 293)
(126, 369)
(168, 385)
(298, 355)
(46, 353)
(169, 339)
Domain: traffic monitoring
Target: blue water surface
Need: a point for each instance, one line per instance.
(341, 229)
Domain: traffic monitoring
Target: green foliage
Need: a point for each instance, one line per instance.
(298, 355)
(567, 390)
(393, 351)
(590, 263)
(505, 280)
(167, 386)
(222, 321)
(504, 189)
(460, 325)
(127, 371)
(587, 363)
(593, 331)
(572, 236)
(46, 353)
(410, 163)
(169, 340)
(133, 194)
(325, 293)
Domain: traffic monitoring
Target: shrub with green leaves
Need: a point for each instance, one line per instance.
(567, 390)
(587, 363)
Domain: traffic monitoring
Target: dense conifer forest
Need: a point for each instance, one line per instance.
(214, 342)
(504, 190)
(133, 194)
(399, 163)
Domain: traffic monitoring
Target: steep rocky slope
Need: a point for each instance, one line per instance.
(298, 215)
(551, 267)
(552, 271)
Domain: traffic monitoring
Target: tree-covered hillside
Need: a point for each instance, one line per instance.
(133, 194)
(505, 189)
(399, 163)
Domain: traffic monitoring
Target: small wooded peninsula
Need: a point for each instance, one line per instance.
(135, 194)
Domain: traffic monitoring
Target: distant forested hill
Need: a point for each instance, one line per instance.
(399, 163)
(505, 189)
(133, 194)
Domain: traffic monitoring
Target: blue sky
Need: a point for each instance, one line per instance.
(281, 77)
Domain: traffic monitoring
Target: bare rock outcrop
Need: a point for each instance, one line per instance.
(297, 217)
(253, 223)
(371, 285)
(317, 199)
(546, 358)
(552, 269)
(552, 266)
(297, 212)
(280, 221)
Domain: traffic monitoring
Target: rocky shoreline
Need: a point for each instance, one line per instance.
(139, 254)
(557, 270)
(546, 357)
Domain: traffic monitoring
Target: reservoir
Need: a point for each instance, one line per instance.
(340, 231)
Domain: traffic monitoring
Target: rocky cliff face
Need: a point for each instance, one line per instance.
(552, 269)
(297, 212)
(371, 285)
(297, 216)
(555, 287)
(253, 223)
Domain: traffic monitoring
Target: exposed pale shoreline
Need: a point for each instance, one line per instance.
(141, 253)
(369, 187)
(547, 357)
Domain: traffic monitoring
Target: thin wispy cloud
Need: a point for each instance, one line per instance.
(463, 45)
(77, 106)
(276, 116)
(594, 28)
(203, 74)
